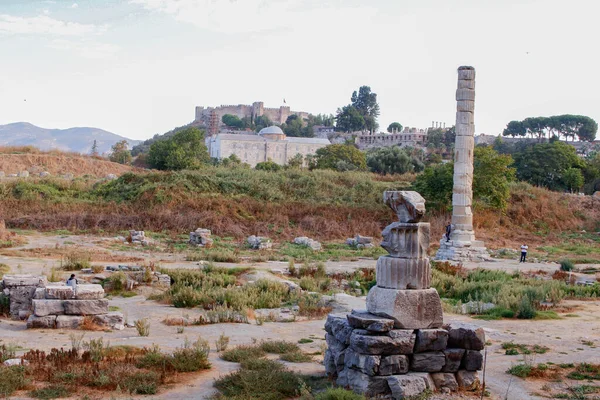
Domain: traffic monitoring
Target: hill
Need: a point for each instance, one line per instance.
(77, 140)
(16, 159)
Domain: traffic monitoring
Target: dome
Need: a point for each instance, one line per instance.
(271, 130)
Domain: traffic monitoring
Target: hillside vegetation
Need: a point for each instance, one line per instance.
(16, 159)
(239, 202)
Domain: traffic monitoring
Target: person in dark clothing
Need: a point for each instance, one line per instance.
(448, 231)
(72, 281)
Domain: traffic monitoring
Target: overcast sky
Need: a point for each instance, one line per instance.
(139, 67)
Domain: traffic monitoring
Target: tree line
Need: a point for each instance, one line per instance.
(565, 126)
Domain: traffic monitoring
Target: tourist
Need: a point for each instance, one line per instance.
(448, 231)
(524, 248)
(72, 281)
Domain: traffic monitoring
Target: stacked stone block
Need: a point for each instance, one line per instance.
(21, 290)
(360, 242)
(62, 307)
(201, 238)
(368, 355)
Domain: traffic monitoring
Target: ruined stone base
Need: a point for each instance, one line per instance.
(410, 309)
(367, 355)
(455, 250)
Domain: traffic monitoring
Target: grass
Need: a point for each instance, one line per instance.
(279, 347)
(517, 348)
(296, 357)
(11, 380)
(242, 353)
(50, 392)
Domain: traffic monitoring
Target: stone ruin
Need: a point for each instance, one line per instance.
(462, 245)
(201, 238)
(138, 237)
(308, 242)
(399, 347)
(259, 243)
(360, 242)
(56, 305)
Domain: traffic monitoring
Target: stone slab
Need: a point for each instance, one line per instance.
(89, 292)
(406, 386)
(59, 292)
(406, 240)
(86, 307)
(365, 363)
(403, 273)
(393, 365)
(69, 321)
(47, 322)
(409, 206)
(473, 360)
(368, 385)
(453, 359)
(42, 308)
(468, 380)
(465, 336)
(445, 381)
(410, 309)
(431, 340)
(400, 343)
(337, 325)
(39, 294)
(112, 319)
(23, 280)
(362, 319)
(432, 361)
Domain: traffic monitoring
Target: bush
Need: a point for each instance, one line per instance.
(567, 265)
(117, 281)
(520, 370)
(296, 357)
(4, 269)
(11, 379)
(222, 343)
(143, 327)
(242, 353)
(76, 260)
(50, 392)
(142, 382)
(526, 309)
(339, 394)
(279, 347)
(191, 357)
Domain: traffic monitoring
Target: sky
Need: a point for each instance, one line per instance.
(139, 67)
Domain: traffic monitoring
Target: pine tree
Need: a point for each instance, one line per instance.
(94, 151)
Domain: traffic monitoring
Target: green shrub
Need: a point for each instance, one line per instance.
(526, 309)
(261, 364)
(50, 392)
(4, 269)
(76, 260)
(192, 356)
(520, 370)
(142, 382)
(117, 281)
(143, 327)
(7, 351)
(279, 347)
(243, 352)
(4, 304)
(11, 379)
(339, 394)
(295, 357)
(567, 265)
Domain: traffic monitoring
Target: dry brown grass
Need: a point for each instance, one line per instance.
(14, 160)
(62, 252)
(88, 324)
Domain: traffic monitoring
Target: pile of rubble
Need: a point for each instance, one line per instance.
(259, 243)
(308, 242)
(360, 242)
(201, 238)
(138, 237)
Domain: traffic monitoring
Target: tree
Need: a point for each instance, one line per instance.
(568, 126)
(492, 174)
(435, 184)
(268, 165)
(120, 153)
(349, 119)
(184, 150)
(262, 122)
(329, 157)
(296, 161)
(94, 152)
(394, 126)
(233, 121)
(294, 126)
(573, 179)
(393, 160)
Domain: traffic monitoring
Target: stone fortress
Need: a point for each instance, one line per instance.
(269, 144)
(257, 109)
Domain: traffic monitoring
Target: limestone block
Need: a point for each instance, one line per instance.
(430, 340)
(363, 239)
(89, 292)
(464, 118)
(463, 155)
(112, 319)
(333, 344)
(11, 281)
(308, 242)
(432, 361)
(24, 314)
(46, 322)
(468, 380)
(409, 206)
(399, 342)
(403, 273)
(406, 386)
(42, 308)
(473, 360)
(69, 321)
(337, 325)
(466, 84)
(13, 362)
(465, 336)
(453, 359)
(328, 361)
(465, 130)
(259, 242)
(406, 240)
(365, 363)
(426, 376)
(462, 210)
(363, 320)
(367, 385)
(465, 94)
(39, 294)
(461, 200)
(410, 309)
(466, 73)
(340, 360)
(393, 365)
(445, 381)
(86, 307)
(464, 142)
(342, 378)
(59, 292)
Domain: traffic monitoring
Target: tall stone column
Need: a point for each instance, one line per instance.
(462, 245)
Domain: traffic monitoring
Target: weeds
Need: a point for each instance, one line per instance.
(76, 260)
(11, 380)
(143, 327)
(222, 343)
(242, 353)
(50, 392)
(295, 357)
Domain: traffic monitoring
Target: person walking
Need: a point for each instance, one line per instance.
(448, 231)
(524, 248)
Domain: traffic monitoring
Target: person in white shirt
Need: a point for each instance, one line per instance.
(72, 282)
(523, 252)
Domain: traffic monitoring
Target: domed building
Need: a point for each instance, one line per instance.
(269, 144)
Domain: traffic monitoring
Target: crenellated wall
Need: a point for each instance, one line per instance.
(257, 109)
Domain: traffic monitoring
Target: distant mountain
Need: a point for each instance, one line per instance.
(79, 140)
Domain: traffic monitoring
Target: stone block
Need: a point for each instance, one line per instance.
(431, 340)
(368, 385)
(445, 382)
(399, 342)
(330, 367)
(337, 325)
(89, 292)
(465, 106)
(428, 362)
(406, 386)
(465, 130)
(42, 308)
(11, 281)
(464, 118)
(20, 299)
(46, 322)
(406, 240)
(39, 294)
(410, 309)
(466, 84)
(403, 273)
(24, 314)
(342, 378)
(340, 360)
(59, 292)
(333, 344)
(86, 307)
(465, 336)
(69, 321)
(473, 360)
(393, 365)
(361, 319)
(367, 364)
(426, 376)
(468, 380)
(112, 319)
(466, 73)
(453, 359)
(409, 206)
(464, 142)
(465, 94)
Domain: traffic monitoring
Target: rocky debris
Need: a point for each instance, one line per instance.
(360, 242)
(259, 243)
(23, 174)
(409, 206)
(201, 238)
(308, 242)
(21, 289)
(138, 237)
(115, 320)
(361, 319)
(465, 336)
(44, 174)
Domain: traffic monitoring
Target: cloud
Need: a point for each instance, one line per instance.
(87, 49)
(74, 5)
(246, 16)
(45, 25)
